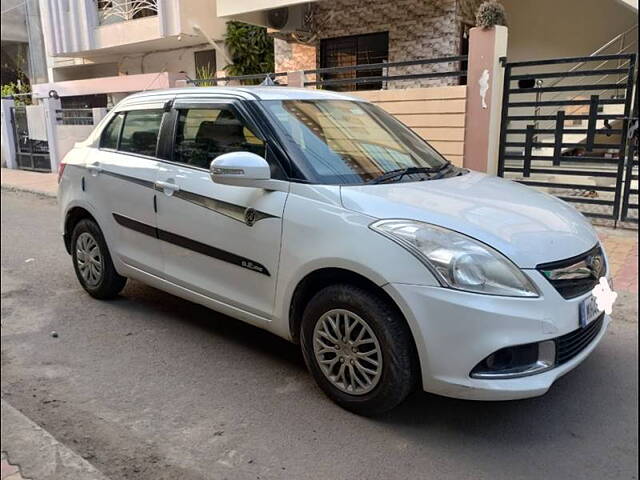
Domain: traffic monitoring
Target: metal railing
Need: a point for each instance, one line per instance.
(113, 11)
(74, 116)
(372, 75)
(624, 42)
(253, 79)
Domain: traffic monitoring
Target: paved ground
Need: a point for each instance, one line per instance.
(46, 183)
(152, 387)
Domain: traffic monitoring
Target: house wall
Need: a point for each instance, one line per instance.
(291, 56)
(436, 114)
(566, 28)
(417, 29)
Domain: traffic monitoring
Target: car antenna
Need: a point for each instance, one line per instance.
(268, 81)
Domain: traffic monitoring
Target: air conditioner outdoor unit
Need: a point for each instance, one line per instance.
(286, 19)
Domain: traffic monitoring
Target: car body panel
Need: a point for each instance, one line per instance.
(218, 215)
(525, 225)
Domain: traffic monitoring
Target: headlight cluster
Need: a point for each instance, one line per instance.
(457, 260)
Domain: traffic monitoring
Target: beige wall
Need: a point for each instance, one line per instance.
(436, 114)
(563, 28)
(68, 135)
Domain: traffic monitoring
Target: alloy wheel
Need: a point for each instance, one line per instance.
(347, 351)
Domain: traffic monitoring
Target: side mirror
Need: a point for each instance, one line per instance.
(242, 169)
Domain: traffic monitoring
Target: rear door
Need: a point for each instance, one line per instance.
(122, 175)
(219, 240)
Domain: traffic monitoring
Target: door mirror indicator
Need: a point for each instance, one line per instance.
(243, 169)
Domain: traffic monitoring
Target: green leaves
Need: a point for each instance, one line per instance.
(11, 89)
(251, 49)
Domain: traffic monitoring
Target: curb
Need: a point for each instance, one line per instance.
(14, 188)
(37, 453)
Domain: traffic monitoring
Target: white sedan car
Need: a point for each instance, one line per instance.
(324, 220)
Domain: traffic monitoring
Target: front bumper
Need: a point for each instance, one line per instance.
(455, 330)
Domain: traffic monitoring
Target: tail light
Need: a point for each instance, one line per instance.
(61, 170)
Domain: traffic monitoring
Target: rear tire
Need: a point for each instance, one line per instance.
(92, 261)
(359, 349)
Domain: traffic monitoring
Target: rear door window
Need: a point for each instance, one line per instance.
(140, 132)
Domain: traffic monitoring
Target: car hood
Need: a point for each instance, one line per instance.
(527, 226)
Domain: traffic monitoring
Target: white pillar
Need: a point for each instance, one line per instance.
(98, 114)
(8, 134)
(50, 106)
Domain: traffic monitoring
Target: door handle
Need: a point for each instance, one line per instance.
(168, 187)
(94, 169)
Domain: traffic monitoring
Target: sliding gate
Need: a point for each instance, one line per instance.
(565, 125)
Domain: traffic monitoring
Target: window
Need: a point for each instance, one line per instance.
(203, 134)
(84, 101)
(110, 134)
(205, 62)
(354, 50)
(140, 132)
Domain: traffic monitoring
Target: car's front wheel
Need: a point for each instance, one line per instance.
(358, 348)
(92, 261)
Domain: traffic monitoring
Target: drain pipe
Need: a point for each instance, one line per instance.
(218, 48)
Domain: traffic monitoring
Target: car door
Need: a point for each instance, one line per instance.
(218, 240)
(122, 175)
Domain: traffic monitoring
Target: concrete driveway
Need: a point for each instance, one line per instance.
(149, 386)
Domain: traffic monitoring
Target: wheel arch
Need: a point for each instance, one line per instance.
(314, 281)
(71, 219)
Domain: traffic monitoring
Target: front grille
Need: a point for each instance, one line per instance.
(571, 344)
(577, 275)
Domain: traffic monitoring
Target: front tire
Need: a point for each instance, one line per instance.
(359, 349)
(92, 262)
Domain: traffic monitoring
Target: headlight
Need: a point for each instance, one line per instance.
(458, 261)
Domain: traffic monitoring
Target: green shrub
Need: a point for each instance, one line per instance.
(251, 49)
(491, 13)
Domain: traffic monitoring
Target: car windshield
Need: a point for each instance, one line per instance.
(350, 142)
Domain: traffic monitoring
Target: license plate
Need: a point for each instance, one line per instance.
(589, 311)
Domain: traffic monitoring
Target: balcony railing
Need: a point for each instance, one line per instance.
(113, 11)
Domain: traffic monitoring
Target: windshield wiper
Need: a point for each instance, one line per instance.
(442, 171)
(397, 174)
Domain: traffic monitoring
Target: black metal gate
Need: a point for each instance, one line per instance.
(30, 154)
(564, 131)
(630, 194)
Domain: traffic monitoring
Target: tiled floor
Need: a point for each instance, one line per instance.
(622, 248)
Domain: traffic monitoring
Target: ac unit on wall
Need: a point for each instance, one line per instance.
(286, 19)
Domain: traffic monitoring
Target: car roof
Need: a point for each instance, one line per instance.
(244, 93)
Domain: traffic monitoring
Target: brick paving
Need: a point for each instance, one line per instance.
(8, 471)
(622, 248)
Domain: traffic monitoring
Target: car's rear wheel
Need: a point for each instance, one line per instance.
(358, 348)
(92, 261)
